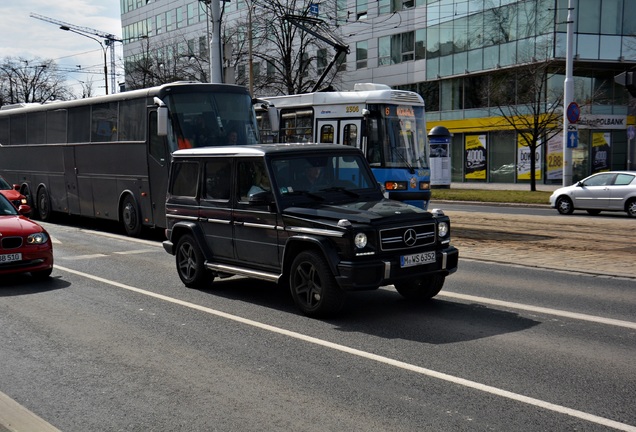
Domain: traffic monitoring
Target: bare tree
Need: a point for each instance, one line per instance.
(288, 56)
(164, 62)
(527, 105)
(31, 80)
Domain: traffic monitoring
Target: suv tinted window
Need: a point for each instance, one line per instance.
(185, 177)
(217, 179)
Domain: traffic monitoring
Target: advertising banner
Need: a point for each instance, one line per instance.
(601, 151)
(475, 157)
(523, 160)
(440, 161)
(555, 158)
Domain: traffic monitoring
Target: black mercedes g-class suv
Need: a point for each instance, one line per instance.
(309, 216)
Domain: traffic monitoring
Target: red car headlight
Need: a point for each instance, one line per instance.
(37, 238)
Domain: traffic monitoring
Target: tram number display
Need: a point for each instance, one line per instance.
(349, 109)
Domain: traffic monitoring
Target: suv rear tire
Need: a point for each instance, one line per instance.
(313, 286)
(190, 263)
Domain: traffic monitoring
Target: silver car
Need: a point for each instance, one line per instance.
(605, 191)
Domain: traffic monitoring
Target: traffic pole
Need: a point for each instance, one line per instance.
(568, 96)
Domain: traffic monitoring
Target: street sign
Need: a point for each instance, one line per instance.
(574, 112)
(631, 132)
(313, 9)
(573, 139)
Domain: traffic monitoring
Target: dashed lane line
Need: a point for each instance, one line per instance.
(370, 356)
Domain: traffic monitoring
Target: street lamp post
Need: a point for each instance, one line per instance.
(65, 28)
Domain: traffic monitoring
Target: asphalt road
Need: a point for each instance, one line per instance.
(114, 342)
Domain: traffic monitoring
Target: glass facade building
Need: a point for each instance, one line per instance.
(455, 49)
(449, 51)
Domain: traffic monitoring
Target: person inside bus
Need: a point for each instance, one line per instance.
(232, 137)
(260, 180)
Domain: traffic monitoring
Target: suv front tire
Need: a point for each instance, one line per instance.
(190, 263)
(313, 286)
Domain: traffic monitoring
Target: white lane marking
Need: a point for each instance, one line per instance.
(543, 310)
(15, 417)
(370, 356)
(138, 251)
(54, 240)
(81, 257)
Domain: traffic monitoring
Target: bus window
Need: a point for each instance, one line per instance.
(79, 124)
(56, 127)
(132, 126)
(18, 129)
(36, 127)
(326, 134)
(350, 135)
(104, 122)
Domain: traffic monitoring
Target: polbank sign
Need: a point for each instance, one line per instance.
(602, 121)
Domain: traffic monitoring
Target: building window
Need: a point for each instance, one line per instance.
(420, 44)
(193, 14)
(321, 60)
(396, 49)
(271, 69)
(361, 54)
(169, 21)
(179, 15)
(159, 22)
(361, 9)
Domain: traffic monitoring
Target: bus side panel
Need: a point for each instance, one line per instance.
(106, 171)
(36, 165)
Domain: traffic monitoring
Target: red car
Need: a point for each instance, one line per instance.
(25, 247)
(12, 193)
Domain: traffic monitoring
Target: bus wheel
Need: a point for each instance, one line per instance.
(44, 204)
(130, 216)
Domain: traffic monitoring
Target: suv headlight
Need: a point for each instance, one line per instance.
(442, 229)
(360, 240)
(37, 238)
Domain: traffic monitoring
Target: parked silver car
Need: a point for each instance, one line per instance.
(605, 191)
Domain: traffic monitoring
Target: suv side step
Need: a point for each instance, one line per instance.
(223, 268)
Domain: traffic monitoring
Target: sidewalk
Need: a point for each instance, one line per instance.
(502, 186)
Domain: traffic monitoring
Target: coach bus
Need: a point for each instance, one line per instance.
(108, 156)
(387, 125)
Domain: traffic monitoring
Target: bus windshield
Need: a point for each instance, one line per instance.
(397, 137)
(209, 119)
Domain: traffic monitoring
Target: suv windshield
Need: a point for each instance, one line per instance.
(319, 174)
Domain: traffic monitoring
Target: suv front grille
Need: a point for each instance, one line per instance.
(407, 237)
(11, 242)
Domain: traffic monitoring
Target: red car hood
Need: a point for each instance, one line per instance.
(11, 194)
(18, 226)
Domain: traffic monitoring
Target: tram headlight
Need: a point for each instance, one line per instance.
(360, 240)
(395, 185)
(425, 185)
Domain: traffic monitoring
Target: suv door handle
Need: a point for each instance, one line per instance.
(239, 223)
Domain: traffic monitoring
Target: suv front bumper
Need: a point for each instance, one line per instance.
(354, 276)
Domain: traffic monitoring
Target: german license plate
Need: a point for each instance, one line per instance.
(10, 257)
(417, 259)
